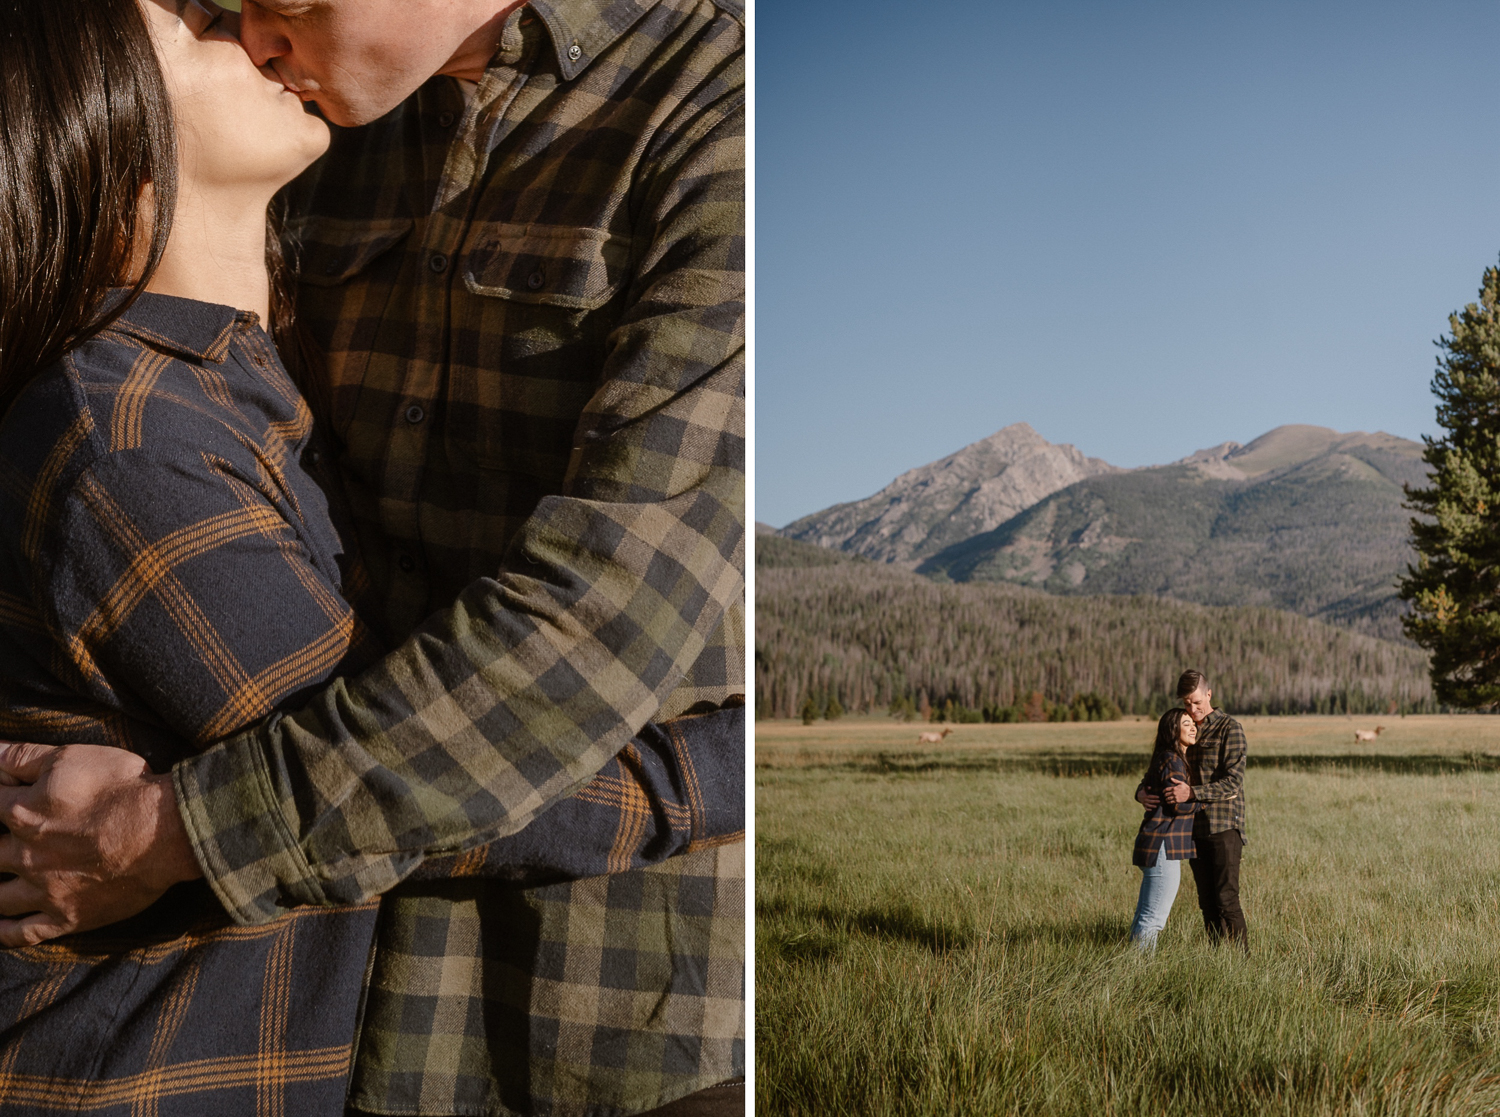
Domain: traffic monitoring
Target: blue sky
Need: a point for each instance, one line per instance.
(1144, 228)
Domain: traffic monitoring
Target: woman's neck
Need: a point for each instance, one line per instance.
(217, 251)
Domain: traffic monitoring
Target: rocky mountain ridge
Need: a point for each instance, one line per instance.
(947, 501)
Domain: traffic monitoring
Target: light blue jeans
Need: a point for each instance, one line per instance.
(1158, 889)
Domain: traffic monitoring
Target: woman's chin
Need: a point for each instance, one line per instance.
(314, 138)
(319, 136)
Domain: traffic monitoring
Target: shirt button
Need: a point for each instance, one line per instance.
(415, 414)
(575, 52)
(313, 457)
(445, 120)
(438, 263)
(536, 279)
(406, 563)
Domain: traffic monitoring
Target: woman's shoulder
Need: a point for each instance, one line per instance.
(107, 404)
(50, 413)
(113, 397)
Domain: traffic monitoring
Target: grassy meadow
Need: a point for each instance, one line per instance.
(941, 928)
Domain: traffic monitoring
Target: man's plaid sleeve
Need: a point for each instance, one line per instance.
(517, 694)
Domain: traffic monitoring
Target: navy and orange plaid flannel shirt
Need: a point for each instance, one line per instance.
(1167, 830)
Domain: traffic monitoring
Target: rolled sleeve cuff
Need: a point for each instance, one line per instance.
(240, 838)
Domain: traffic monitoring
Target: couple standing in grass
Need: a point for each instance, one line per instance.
(1194, 795)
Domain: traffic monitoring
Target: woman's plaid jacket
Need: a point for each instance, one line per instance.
(1166, 830)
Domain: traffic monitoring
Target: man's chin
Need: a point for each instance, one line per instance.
(345, 115)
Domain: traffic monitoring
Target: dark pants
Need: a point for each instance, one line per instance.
(1216, 872)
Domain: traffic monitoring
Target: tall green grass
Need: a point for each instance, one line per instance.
(953, 941)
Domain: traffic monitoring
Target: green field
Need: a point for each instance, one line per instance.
(941, 929)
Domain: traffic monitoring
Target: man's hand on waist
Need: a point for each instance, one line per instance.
(1178, 792)
(1146, 799)
(94, 837)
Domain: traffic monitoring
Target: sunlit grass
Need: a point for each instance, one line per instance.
(951, 939)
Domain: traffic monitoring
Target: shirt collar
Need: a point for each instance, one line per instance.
(184, 326)
(582, 30)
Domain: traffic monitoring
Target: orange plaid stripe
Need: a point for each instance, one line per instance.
(202, 1077)
(130, 399)
(44, 490)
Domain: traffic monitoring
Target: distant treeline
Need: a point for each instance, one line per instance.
(875, 638)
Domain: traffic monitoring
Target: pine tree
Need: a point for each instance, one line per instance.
(1455, 586)
(809, 711)
(835, 709)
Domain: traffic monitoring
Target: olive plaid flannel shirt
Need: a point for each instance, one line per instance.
(532, 310)
(1217, 762)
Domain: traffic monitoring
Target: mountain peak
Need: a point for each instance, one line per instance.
(1285, 447)
(972, 490)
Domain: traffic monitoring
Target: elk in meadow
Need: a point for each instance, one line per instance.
(1368, 734)
(932, 738)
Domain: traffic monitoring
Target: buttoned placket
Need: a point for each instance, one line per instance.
(443, 232)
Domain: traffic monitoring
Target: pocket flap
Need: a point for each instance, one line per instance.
(333, 250)
(546, 264)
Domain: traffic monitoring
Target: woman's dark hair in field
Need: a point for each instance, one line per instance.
(85, 127)
(1167, 730)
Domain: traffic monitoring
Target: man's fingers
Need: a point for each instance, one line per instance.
(23, 761)
(10, 797)
(10, 853)
(19, 897)
(29, 930)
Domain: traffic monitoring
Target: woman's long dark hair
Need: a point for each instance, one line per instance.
(1167, 730)
(85, 129)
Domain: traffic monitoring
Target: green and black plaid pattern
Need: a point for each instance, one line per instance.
(172, 570)
(532, 309)
(1217, 761)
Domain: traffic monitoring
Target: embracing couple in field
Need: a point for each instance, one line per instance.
(1194, 795)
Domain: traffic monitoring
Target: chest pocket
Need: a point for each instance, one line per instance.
(547, 265)
(332, 251)
(347, 273)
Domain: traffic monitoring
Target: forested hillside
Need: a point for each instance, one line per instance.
(790, 554)
(870, 635)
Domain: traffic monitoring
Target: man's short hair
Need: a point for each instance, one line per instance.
(1189, 681)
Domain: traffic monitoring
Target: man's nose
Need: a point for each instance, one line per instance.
(259, 36)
